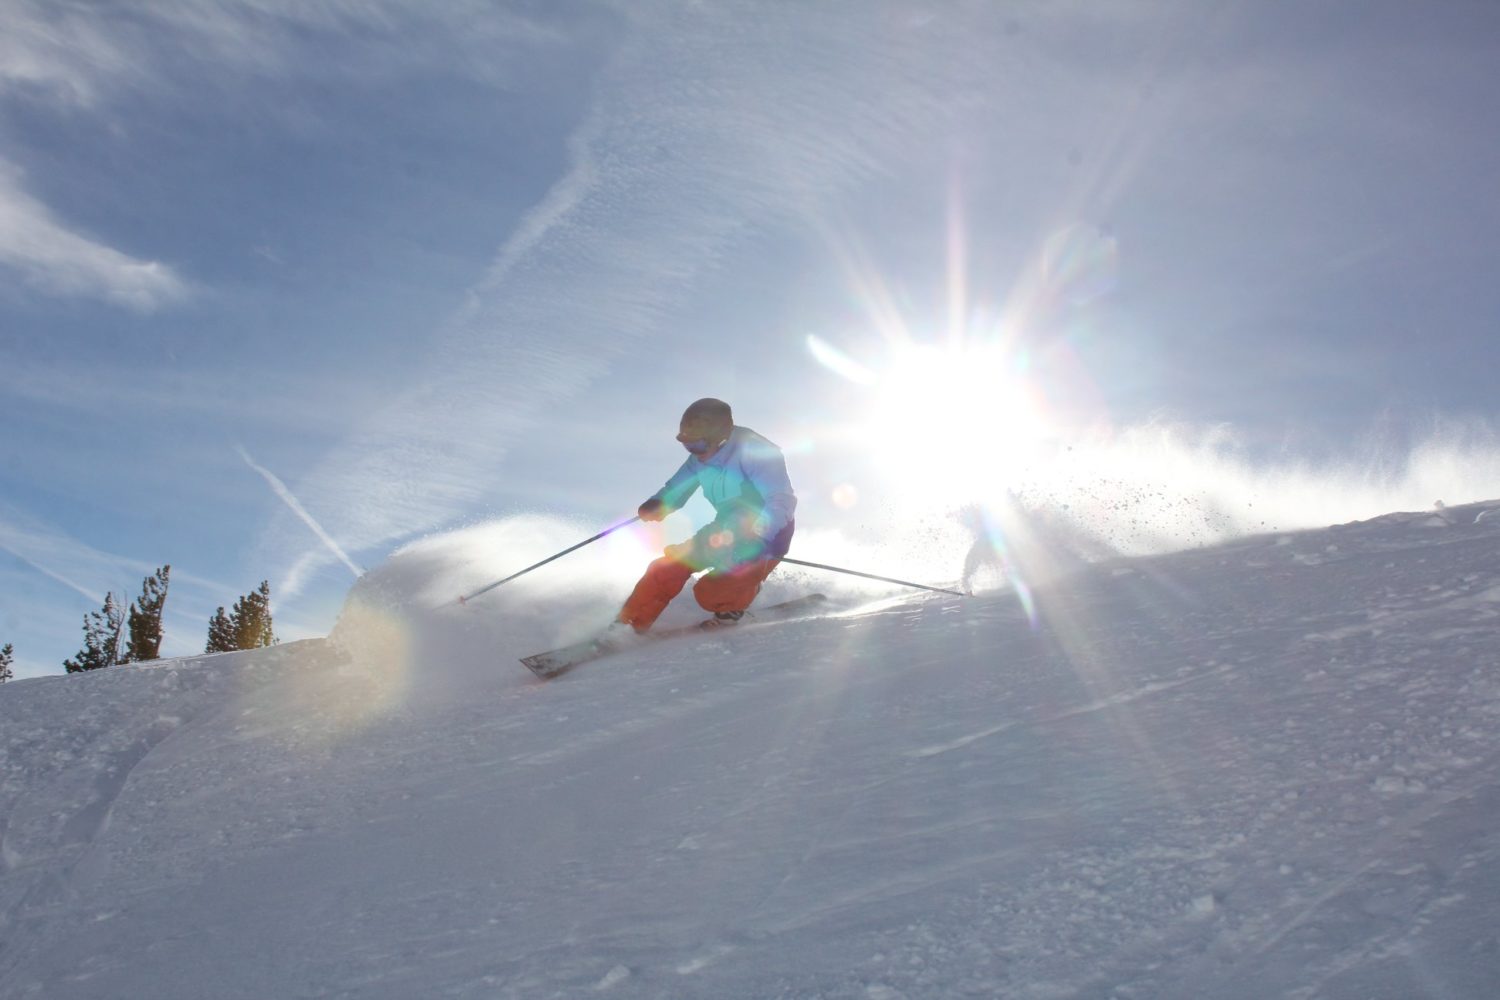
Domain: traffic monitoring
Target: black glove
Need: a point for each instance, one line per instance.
(652, 510)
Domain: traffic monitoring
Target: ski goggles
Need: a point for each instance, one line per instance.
(697, 446)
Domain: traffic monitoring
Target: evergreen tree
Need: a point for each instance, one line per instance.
(101, 638)
(252, 619)
(7, 657)
(248, 626)
(145, 618)
(220, 634)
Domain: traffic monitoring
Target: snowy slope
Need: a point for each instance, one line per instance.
(1268, 769)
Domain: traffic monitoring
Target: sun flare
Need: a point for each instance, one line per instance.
(962, 420)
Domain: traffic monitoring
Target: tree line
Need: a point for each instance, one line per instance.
(113, 635)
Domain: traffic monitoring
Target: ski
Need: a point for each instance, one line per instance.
(550, 664)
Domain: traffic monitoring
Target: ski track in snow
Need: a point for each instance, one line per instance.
(1112, 701)
(1267, 769)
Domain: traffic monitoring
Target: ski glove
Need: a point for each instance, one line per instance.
(652, 510)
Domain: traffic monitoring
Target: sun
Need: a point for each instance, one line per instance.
(959, 420)
(958, 410)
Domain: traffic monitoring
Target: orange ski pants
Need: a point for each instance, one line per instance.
(729, 589)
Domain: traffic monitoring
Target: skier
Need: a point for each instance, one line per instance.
(744, 476)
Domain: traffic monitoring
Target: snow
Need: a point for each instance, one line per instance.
(1263, 769)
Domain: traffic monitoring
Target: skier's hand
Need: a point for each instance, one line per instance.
(652, 510)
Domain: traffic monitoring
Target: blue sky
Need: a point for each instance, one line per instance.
(410, 266)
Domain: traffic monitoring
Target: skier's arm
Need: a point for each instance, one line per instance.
(765, 467)
(678, 490)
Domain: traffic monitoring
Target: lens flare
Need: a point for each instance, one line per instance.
(845, 496)
(838, 362)
(993, 547)
(1080, 263)
(627, 552)
(375, 679)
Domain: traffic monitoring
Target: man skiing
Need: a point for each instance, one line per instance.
(744, 476)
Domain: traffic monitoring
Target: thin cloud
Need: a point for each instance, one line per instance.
(60, 52)
(59, 556)
(47, 571)
(67, 559)
(83, 57)
(298, 402)
(294, 580)
(58, 261)
(288, 498)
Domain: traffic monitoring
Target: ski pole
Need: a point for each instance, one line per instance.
(465, 599)
(872, 576)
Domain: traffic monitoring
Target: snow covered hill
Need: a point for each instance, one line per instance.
(1266, 769)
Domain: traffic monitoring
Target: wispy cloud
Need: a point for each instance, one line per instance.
(83, 59)
(60, 557)
(288, 498)
(46, 571)
(57, 261)
(303, 403)
(83, 56)
(64, 53)
(68, 559)
(93, 63)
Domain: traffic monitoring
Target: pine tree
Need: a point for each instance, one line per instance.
(101, 638)
(145, 618)
(7, 657)
(248, 626)
(220, 634)
(252, 619)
